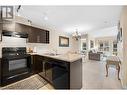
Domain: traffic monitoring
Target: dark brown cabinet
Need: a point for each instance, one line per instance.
(22, 28)
(38, 35)
(37, 64)
(35, 35)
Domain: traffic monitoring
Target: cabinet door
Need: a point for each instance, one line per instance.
(39, 35)
(38, 64)
(44, 36)
(47, 37)
(22, 28)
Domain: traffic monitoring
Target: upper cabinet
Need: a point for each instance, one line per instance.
(35, 35)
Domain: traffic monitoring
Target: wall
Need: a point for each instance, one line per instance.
(122, 47)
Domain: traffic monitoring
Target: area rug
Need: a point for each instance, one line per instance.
(31, 83)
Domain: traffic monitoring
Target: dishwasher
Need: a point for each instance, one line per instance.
(57, 73)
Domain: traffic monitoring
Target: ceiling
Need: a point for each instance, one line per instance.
(86, 19)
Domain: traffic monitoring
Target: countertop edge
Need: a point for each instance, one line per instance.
(57, 57)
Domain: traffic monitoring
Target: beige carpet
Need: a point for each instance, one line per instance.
(33, 82)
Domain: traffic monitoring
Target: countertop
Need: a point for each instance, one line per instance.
(64, 57)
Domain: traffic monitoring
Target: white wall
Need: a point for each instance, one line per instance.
(123, 47)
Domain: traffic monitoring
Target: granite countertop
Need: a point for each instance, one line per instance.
(64, 57)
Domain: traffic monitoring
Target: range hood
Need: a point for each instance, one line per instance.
(15, 34)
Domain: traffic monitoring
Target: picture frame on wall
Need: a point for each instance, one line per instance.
(63, 41)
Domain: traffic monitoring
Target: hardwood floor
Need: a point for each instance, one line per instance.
(94, 76)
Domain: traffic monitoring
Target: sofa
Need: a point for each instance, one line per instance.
(95, 56)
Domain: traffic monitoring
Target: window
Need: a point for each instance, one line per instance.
(104, 46)
(101, 46)
(83, 46)
(91, 44)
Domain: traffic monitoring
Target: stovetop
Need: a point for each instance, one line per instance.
(13, 51)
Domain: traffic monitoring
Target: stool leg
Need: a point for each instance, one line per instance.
(106, 70)
(118, 72)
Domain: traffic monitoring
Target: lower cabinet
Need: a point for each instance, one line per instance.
(55, 72)
(61, 74)
(37, 64)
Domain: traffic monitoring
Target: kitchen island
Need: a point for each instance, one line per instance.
(61, 71)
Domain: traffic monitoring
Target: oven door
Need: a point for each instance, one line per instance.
(14, 67)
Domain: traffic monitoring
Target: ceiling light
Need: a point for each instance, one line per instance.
(76, 35)
(45, 18)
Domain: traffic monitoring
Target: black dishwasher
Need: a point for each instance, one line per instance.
(57, 73)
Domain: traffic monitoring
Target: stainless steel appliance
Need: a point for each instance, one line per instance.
(16, 64)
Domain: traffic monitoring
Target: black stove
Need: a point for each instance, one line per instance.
(16, 64)
(10, 51)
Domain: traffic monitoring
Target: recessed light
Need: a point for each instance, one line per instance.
(45, 18)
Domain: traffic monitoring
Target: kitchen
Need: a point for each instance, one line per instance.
(22, 55)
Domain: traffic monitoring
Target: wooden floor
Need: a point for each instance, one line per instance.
(94, 76)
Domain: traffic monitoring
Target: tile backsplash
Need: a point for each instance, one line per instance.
(13, 42)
